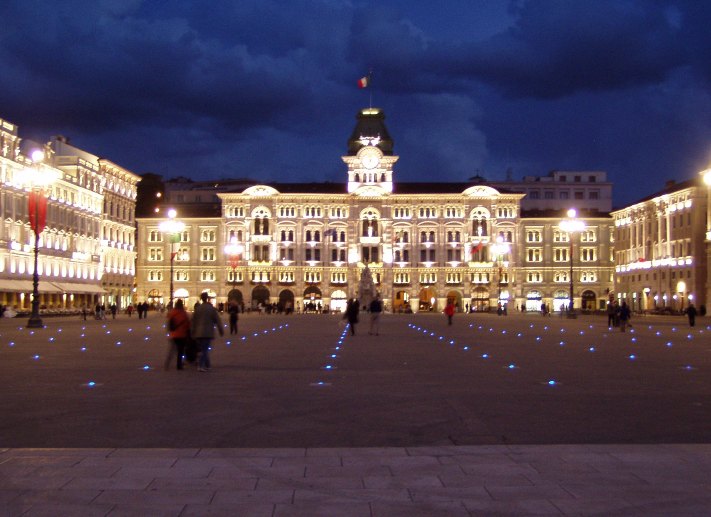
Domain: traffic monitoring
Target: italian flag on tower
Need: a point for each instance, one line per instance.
(363, 81)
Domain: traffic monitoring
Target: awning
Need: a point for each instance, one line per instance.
(76, 288)
(25, 286)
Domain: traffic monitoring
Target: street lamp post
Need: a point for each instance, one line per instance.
(571, 225)
(234, 250)
(172, 229)
(38, 179)
(500, 249)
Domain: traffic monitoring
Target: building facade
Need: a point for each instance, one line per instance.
(662, 248)
(423, 244)
(76, 259)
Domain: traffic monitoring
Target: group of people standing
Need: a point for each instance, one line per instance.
(192, 336)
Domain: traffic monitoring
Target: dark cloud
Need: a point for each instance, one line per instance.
(267, 88)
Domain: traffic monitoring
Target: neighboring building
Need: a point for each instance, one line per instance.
(560, 190)
(423, 243)
(85, 255)
(661, 248)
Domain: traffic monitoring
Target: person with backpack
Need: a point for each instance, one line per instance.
(179, 332)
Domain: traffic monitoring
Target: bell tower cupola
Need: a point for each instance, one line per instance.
(370, 155)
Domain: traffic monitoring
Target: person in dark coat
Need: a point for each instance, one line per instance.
(352, 314)
(691, 314)
(233, 311)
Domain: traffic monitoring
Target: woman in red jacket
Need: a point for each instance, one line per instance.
(179, 329)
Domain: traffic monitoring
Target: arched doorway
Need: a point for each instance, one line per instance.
(401, 303)
(589, 300)
(480, 300)
(534, 299)
(339, 299)
(312, 298)
(181, 294)
(286, 301)
(428, 302)
(260, 295)
(455, 297)
(560, 300)
(154, 297)
(235, 295)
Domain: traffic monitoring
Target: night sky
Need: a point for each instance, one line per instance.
(268, 89)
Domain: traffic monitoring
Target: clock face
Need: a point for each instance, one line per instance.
(370, 158)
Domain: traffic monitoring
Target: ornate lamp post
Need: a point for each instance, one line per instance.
(499, 250)
(234, 251)
(571, 225)
(37, 179)
(172, 228)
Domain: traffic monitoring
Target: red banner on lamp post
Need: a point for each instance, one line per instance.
(38, 211)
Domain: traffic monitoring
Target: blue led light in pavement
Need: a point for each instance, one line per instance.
(32, 332)
(511, 366)
(582, 332)
(451, 342)
(562, 330)
(633, 357)
(551, 382)
(466, 348)
(519, 335)
(264, 332)
(146, 367)
(108, 332)
(538, 338)
(659, 333)
(669, 343)
(673, 329)
(35, 357)
(91, 384)
(82, 335)
(432, 334)
(118, 343)
(689, 336)
(688, 367)
(328, 367)
(591, 349)
(83, 349)
(130, 330)
(256, 334)
(545, 327)
(485, 356)
(562, 343)
(503, 332)
(333, 356)
(146, 338)
(12, 343)
(274, 329)
(244, 338)
(441, 338)
(634, 339)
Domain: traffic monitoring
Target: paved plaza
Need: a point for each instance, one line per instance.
(512, 415)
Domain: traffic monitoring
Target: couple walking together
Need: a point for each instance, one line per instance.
(201, 329)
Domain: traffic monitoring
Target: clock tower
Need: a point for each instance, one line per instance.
(370, 156)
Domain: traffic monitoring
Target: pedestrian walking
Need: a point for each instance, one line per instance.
(352, 314)
(449, 312)
(233, 311)
(691, 314)
(612, 309)
(179, 332)
(114, 309)
(376, 309)
(624, 315)
(205, 319)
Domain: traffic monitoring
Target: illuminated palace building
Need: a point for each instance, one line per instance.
(479, 244)
(662, 247)
(83, 210)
